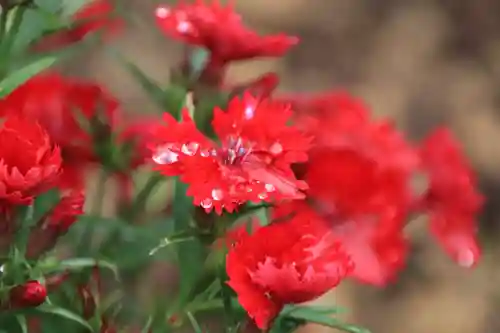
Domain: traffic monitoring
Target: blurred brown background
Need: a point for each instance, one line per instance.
(421, 62)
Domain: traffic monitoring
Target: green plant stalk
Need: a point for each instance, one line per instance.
(95, 210)
(139, 204)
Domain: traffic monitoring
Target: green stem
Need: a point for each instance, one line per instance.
(97, 205)
(139, 204)
(95, 210)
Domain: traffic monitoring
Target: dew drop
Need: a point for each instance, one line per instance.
(217, 194)
(207, 203)
(183, 26)
(270, 187)
(162, 12)
(276, 148)
(249, 112)
(262, 196)
(205, 153)
(165, 156)
(190, 148)
(466, 258)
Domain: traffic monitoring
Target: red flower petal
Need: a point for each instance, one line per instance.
(452, 199)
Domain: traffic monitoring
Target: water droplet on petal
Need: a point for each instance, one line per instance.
(270, 187)
(205, 153)
(183, 26)
(190, 148)
(249, 112)
(217, 194)
(276, 148)
(162, 12)
(165, 156)
(262, 196)
(207, 203)
(466, 258)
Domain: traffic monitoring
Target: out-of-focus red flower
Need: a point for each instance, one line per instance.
(139, 134)
(284, 263)
(376, 245)
(220, 30)
(262, 87)
(55, 223)
(452, 199)
(95, 16)
(252, 163)
(75, 113)
(28, 295)
(359, 176)
(29, 162)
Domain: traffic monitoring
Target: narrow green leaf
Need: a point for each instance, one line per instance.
(320, 316)
(63, 313)
(153, 89)
(22, 323)
(198, 59)
(17, 78)
(52, 6)
(45, 202)
(76, 264)
(191, 255)
(194, 323)
(69, 7)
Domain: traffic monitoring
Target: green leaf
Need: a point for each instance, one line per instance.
(205, 110)
(17, 78)
(175, 99)
(191, 255)
(320, 315)
(194, 323)
(45, 202)
(76, 264)
(159, 96)
(70, 7)
(22, 323)
(63, 313)
(198, 59)
(52, 6)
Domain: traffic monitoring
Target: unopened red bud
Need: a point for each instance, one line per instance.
(30, 294)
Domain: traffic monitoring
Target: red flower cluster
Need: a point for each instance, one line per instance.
(340, 181)
(29, 162)
(285, 263)
(252, 162)
(219, 29)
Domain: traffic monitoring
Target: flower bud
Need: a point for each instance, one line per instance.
(30, 294)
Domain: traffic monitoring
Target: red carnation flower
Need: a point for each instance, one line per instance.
(359, 176)
(30, 294)
(219, 29)
(301, 263)
(92, 17)
(29, 163)
(252, 162)
(452, 200)
(76, 114)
